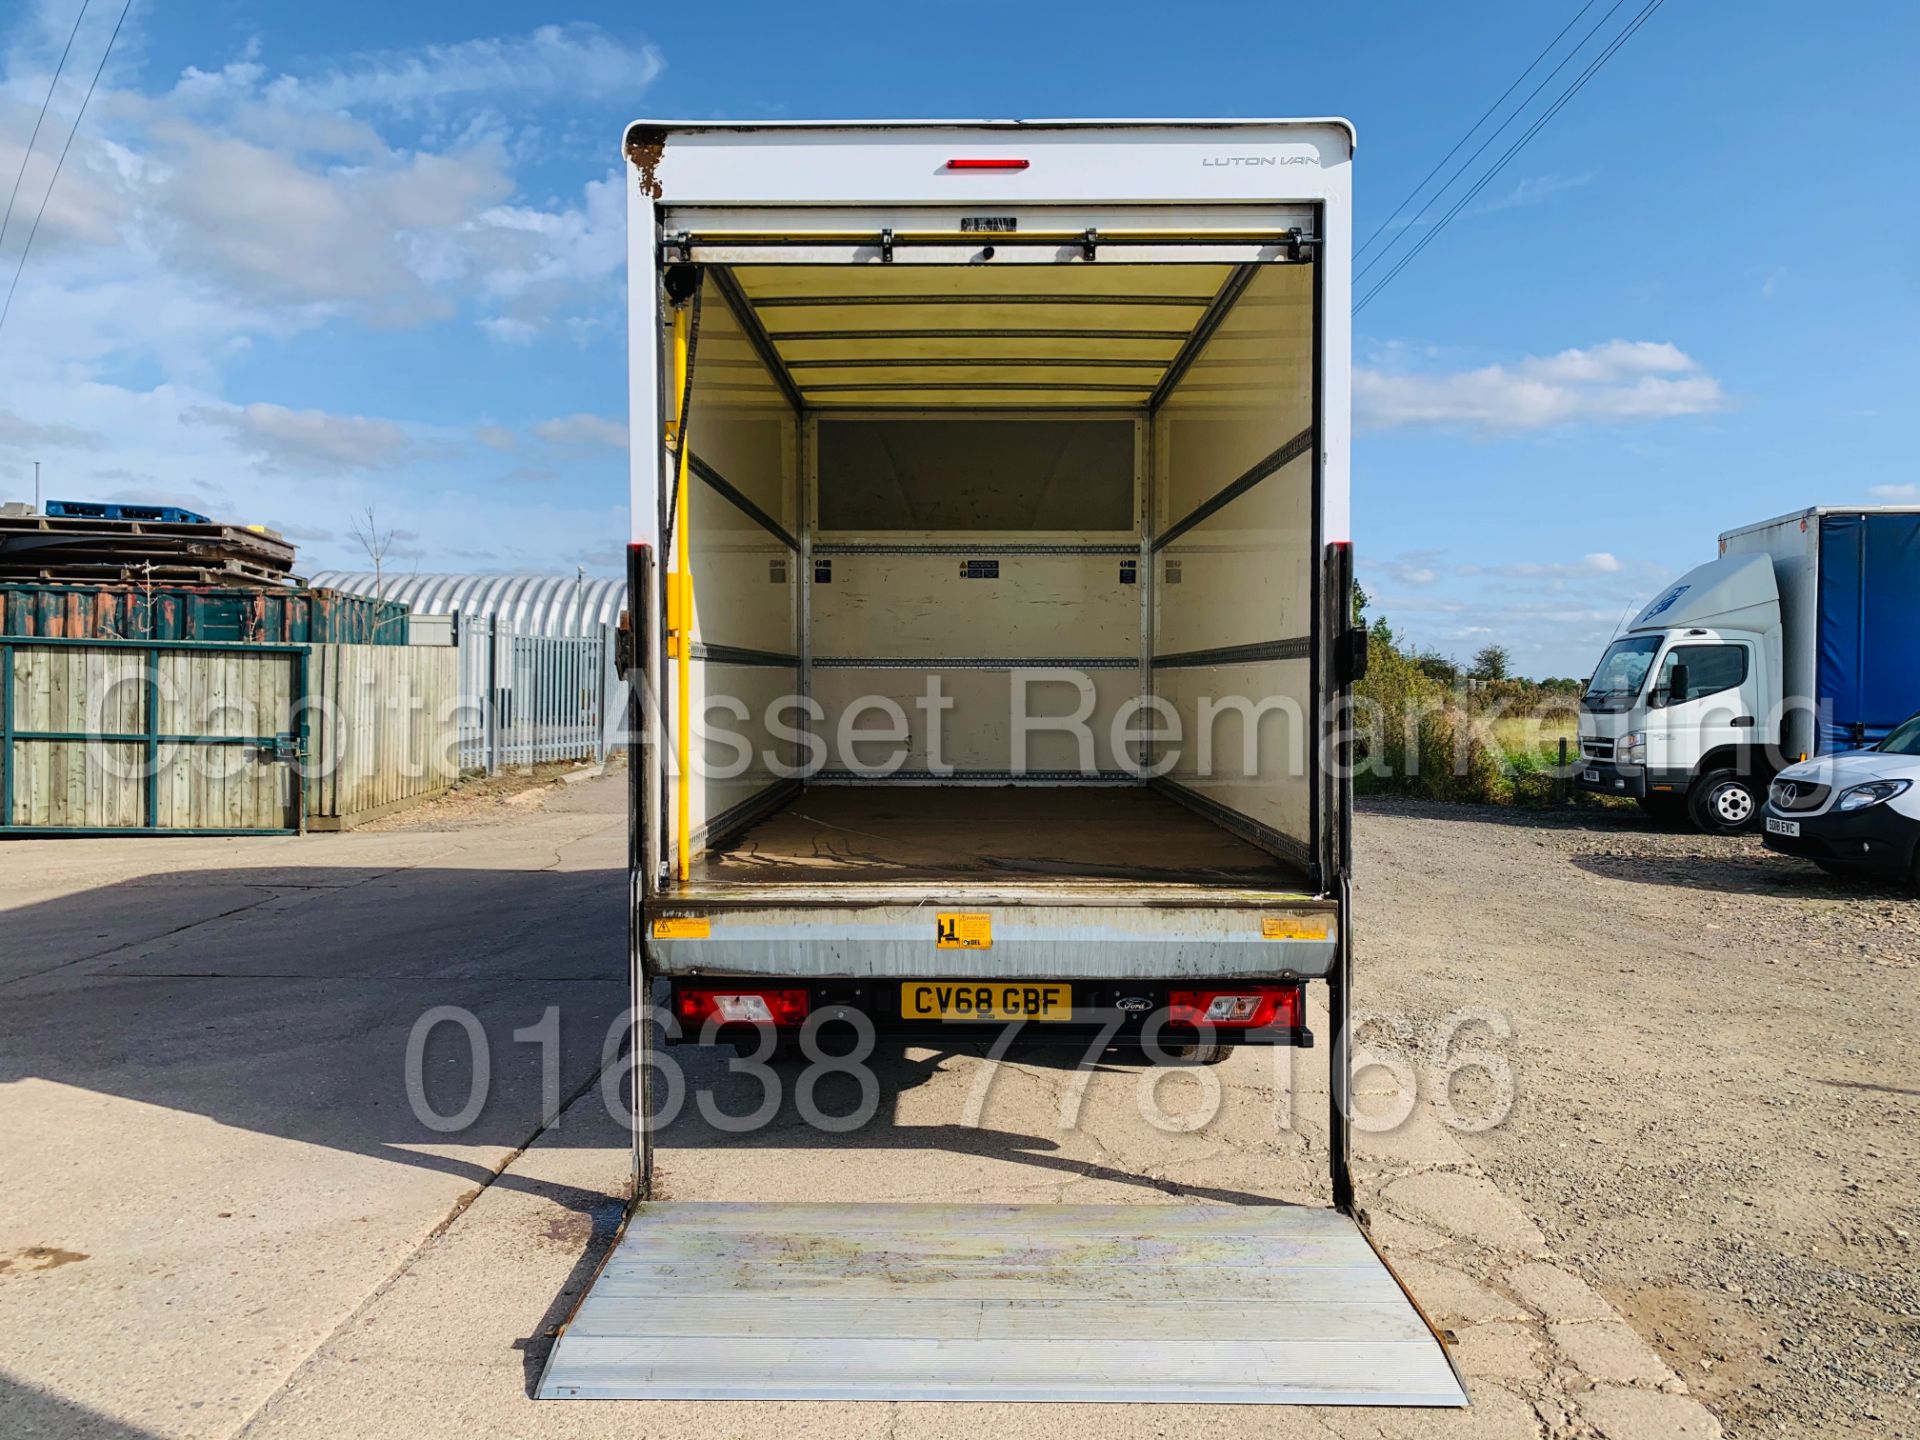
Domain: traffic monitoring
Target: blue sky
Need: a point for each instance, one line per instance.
(306, 260)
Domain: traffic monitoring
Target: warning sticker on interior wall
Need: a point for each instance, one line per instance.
(979, 569)
(1292, 927)
(682, 927)
(963, 932)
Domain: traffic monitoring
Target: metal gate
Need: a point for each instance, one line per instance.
(110, 737)
(530, 699)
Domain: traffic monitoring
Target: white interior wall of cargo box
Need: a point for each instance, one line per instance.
(1234, 550)
(960, 473)
(746, 617)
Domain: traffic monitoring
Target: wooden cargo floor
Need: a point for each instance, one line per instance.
(886, 833)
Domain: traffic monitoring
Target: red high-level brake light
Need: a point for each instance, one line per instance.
(987, 164)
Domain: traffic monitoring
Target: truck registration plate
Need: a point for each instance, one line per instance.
(954, 1000)
(1788, 828)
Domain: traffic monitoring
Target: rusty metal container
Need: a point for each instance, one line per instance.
(259, 615)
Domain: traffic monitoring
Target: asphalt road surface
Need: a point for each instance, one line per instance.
(222, 1214)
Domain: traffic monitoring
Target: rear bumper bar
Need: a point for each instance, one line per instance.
(1097, 1006)
(1189, 938)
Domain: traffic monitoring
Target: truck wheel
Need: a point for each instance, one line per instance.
(1725, 802)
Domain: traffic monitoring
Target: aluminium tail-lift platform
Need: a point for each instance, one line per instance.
(1161, 1303)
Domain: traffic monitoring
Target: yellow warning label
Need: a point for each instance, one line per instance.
(682, 927)
(964, 932)
(1292, 927)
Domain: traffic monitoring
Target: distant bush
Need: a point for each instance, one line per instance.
(1425, 730)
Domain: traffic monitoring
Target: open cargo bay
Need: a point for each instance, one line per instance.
(1057, 491)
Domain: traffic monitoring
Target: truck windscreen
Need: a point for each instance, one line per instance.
(1621, 672)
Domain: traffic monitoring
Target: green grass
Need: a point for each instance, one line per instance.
(1533, 743)
(1437, 742)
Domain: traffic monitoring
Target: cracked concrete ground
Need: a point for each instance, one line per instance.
(270, 1244)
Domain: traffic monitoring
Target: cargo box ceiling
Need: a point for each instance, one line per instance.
(976, 337)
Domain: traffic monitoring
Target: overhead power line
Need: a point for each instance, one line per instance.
(59, 164)
(1574, 88)
(1531, 65)
(32, 140)
(1499, 130)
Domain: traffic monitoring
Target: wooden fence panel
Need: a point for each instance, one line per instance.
(231, 694)
(81, 722)
(75, 782)
(384, 729)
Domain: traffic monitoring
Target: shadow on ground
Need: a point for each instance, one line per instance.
(30, 1410)
(283, 1002)
(1661, 853)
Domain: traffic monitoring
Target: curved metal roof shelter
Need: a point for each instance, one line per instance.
(529, 604)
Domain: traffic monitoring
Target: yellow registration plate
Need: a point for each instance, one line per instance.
(961, 1000)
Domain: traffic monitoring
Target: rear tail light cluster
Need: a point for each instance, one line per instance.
(780, 1008)
(1245, 1007)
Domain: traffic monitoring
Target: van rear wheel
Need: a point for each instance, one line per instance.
(1725, 802)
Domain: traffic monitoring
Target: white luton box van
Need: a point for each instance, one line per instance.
(992, 631)
(1798, 641)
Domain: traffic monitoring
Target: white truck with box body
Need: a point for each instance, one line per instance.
(990, 567)
(1799, 641)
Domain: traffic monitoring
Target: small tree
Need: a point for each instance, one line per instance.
(376, 543)
(1492, 663)
(1436, 666)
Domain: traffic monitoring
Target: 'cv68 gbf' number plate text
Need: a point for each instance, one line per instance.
(953, 1000)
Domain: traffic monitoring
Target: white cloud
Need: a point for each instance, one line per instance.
(582, 432)
(266, 197)
(1598, 563)
(534, 263)
(300, 533)
(242, 207)
(1418, 568)
(268, 227)
(1534, 190)
(308, 440)
(495, 437)
(570, 62)
(1421, 568)
(19, 433)
(1896, 494)
(1617, 381)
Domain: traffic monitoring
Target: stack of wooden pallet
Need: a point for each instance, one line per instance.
(54, 549)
